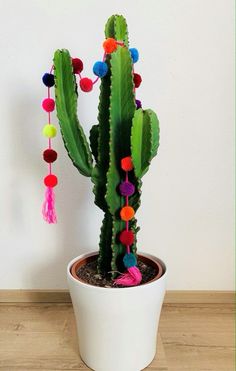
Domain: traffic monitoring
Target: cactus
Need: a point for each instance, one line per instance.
(122, 130)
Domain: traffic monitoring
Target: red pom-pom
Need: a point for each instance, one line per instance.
(137, 80)
(127, 237)
(77, 65)
(86, 84)
(49, 155)
(109, 45)
(48, 104)
(50, 180)
(127, 164)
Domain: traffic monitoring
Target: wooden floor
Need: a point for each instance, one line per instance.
(192, 337)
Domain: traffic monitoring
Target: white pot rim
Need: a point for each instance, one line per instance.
(114, 289)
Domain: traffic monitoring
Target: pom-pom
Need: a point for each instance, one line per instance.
(50, 180)
(137, 80)
(132, 277)
(134, 54)
(77, 65)
(126, 189)
(127, 237)
(100, 69)
(48, 104)
(127, 164)
(49, 131)
(127, 213)
(109, 45)
(48, 79)
(48, 210)
(129, 260)
(138, 103)
(49, 155)
(86, 84)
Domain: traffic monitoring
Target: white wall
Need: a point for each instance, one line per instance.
(186, 50)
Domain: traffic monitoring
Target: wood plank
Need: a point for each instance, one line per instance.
(198, 296)
(63, 296)
(43, 337)
(198, 336)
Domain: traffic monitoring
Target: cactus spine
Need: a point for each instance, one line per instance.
(121, 131)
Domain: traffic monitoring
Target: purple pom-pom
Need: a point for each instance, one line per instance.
(126, 189)
(138, 103)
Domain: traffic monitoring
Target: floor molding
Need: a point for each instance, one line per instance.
(63, 296)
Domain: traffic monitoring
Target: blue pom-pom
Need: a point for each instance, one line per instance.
(100, 69)
(48, 79)
(130, 260)
(134, 54)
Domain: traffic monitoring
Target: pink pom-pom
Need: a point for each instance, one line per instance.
(132, 277)
(48, 104)
(48, 210)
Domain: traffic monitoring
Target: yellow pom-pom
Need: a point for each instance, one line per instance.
(49, 131)
(127, 213)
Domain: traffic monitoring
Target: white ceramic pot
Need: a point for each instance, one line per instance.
(117, 327)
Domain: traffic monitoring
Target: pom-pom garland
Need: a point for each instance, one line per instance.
(77, 65)
(48, 79)
(48, 104)
(100, 69)
(49, 131)
(134, 54)
(86, 84)
(127, 164)
(49, 155)
(126, 189)
(133, 275)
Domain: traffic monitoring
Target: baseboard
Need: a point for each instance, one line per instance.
(63, 296)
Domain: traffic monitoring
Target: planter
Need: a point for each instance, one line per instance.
(117, 327)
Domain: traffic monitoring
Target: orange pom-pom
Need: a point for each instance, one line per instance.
(127, 213)
(109, 45)
(127, 164)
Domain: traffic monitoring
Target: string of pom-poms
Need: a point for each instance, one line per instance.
(100, 68)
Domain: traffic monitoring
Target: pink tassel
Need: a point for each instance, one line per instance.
(131, 278)
(49, 212)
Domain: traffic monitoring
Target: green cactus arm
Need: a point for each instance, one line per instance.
(122, 107)
(116, 27)
(66, 104)
(144, 140)
(155, 133)
(100, 170)
(93, 139)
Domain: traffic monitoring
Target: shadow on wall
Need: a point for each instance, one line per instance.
(71, 234)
